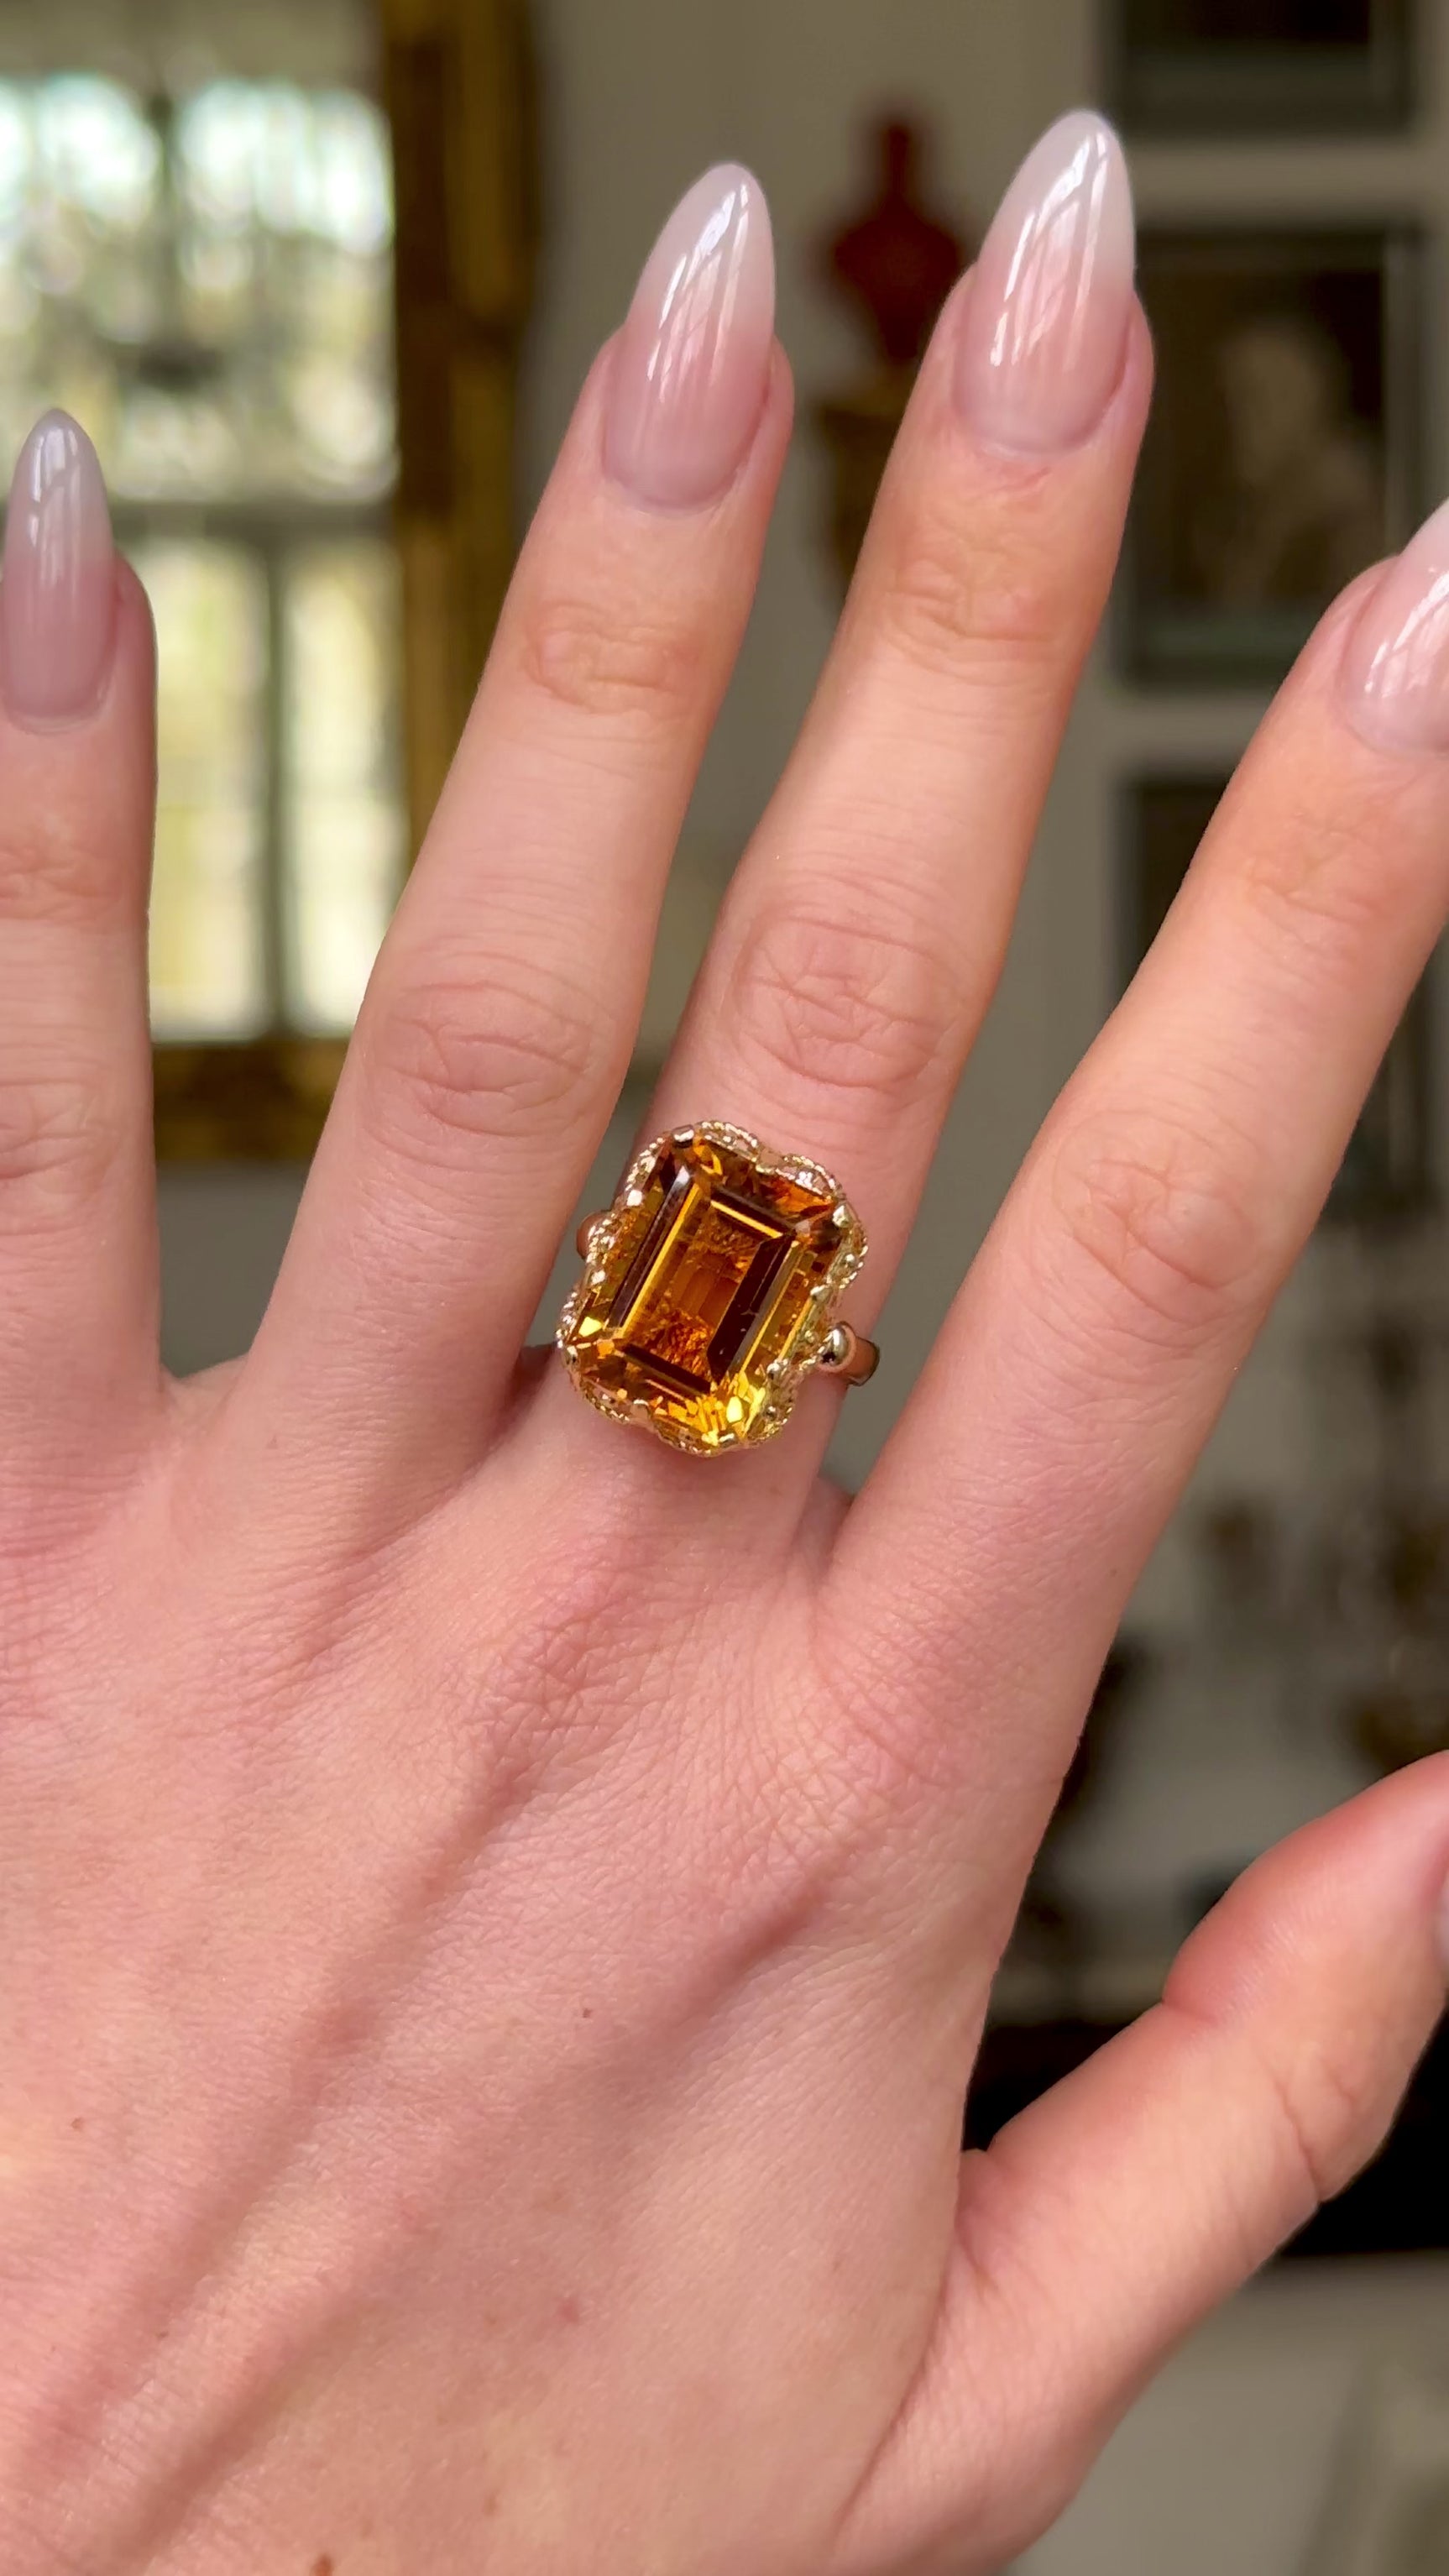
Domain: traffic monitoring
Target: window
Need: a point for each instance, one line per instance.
(206, 282)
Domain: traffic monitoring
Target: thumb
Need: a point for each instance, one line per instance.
(1105, 2221)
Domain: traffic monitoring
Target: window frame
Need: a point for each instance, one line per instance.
(460, 98)
(260, 1097)
(263, 1097)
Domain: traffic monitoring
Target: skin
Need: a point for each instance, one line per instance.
(497, 1917)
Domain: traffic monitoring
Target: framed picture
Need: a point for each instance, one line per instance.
(1387, 1172)
(1285, 448)
(1287, 66)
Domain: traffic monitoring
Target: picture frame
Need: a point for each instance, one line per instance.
(1387, 1174)
(1285, 449)
(1183, 67)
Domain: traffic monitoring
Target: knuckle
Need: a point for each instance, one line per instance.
(56, 1144)
(499, 1056)
(1330, 2119)
(832, 1003)
(882, 1741)
(1150, 1206)
(955, 588)
(609, 659)
(51, 871)
(1318, 876)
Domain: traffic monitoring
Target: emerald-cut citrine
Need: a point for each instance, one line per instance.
(710, 1287)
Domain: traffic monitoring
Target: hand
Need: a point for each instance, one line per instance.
(497, 1916)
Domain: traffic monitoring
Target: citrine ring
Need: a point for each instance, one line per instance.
(711, 1291)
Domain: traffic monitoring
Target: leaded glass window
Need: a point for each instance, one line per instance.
(206, 282)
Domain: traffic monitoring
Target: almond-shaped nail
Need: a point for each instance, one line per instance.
(58, 587)
(1396, 662)
(692, 362)
(1044, 329)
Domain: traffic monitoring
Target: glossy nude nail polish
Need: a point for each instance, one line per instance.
(58, 589)
(1396, 663)
(1044, 327)
(692, 362)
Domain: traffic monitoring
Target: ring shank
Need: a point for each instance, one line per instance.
(848, 1358)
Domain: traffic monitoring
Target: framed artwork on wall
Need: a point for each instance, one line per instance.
(1286, 66)
(1387, 1172)
(1285, 449)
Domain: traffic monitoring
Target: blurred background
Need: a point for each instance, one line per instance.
(322, 277)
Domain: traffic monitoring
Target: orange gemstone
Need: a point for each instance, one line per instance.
(709, 1289)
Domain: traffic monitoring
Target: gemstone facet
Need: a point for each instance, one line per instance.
(710, 1287)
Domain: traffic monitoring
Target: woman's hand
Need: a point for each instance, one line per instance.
(496, 1917)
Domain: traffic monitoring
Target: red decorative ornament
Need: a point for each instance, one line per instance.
(897, 263)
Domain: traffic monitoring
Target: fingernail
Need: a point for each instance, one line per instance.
(693, 359)
(58, 590)
(1396, 662)
(1044, 332)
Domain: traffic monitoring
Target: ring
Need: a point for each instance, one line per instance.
(710, 1291)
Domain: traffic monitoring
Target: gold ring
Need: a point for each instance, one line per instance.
(710, 1291)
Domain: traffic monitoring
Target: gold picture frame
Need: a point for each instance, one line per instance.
(460, 100)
